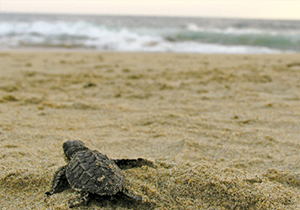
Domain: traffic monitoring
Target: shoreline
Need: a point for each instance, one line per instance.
(83, 50)
(221, 129)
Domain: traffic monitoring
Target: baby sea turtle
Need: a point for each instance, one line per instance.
(90, 172)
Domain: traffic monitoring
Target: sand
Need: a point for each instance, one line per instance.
(223, 131)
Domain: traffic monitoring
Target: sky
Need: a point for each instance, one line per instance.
(258, 9)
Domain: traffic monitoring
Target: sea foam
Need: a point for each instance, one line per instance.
(121, 34)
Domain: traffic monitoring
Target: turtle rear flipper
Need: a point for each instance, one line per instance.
(129, 194)
(82, 200)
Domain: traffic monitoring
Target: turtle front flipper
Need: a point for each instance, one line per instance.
(82, 200)
(132, 163)
(60, 182)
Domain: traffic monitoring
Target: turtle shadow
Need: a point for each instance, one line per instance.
(117, 201)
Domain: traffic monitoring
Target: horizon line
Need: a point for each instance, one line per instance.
(145, 15)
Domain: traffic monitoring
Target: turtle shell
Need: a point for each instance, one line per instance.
(93, 172)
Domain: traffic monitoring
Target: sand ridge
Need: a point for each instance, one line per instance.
(222, 130)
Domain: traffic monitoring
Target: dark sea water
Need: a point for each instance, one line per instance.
(148, 34)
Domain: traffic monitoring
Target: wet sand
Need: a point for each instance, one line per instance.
(223, 131)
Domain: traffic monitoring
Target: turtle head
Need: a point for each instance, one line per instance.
(71, 147)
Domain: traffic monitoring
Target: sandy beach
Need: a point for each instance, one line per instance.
(223, 131)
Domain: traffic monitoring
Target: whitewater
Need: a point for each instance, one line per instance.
(148, 34)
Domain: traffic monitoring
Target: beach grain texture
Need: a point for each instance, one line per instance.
(223, 131)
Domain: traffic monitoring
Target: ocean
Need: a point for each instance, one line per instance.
(148, 34)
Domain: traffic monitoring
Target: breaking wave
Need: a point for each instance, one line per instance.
(104, 37)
